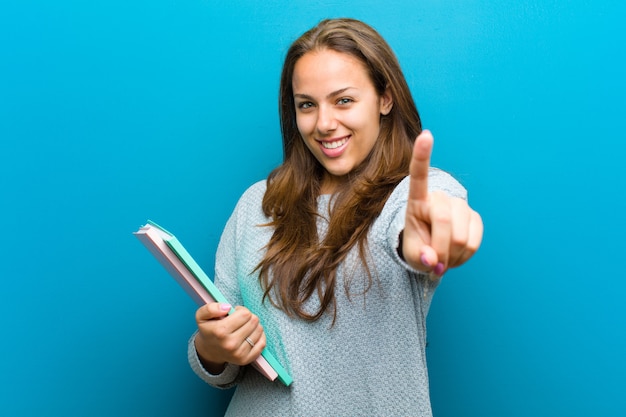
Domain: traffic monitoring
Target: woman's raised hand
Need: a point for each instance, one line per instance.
(440, 232)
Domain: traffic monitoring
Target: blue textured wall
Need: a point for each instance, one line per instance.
(114, 112)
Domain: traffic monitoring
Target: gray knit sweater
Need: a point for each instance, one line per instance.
(372, 362)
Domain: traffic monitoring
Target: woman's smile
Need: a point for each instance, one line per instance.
(334, 147)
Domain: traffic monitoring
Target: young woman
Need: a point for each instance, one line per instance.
(333, 260)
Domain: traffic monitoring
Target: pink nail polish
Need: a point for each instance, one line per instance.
(424, 260)
(225, 307)
(438, 269)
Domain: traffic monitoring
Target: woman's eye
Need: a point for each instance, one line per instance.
(305, 105)
(344, 101)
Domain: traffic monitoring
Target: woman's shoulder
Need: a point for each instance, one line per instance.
(251, 200)
(255, 192)
(438, 180)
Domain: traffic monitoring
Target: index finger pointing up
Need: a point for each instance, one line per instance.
(420, 163)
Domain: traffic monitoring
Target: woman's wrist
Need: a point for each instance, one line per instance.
(214, 368)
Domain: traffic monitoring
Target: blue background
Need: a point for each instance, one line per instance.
(113, 112)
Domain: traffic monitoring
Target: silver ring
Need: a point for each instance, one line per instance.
(250, 341)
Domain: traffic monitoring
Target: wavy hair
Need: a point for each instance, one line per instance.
(296, 264)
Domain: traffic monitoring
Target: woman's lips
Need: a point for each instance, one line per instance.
(334, 147)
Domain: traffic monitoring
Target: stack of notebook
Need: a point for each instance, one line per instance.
(177, 261)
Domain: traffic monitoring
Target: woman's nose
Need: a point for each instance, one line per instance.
(326, 120)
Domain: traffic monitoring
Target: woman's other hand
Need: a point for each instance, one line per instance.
(237, 338)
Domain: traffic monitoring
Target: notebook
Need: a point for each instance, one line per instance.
(190, 276)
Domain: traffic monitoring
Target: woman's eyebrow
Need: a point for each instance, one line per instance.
(330, 95)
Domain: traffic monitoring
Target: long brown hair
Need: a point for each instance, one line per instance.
(297, 264)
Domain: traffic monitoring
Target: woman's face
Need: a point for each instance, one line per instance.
(337, 111)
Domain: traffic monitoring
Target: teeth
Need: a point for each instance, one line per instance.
(333, 145)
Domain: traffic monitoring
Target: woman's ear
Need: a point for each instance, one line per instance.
(386, 102)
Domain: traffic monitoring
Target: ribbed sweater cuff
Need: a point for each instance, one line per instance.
(226, 379)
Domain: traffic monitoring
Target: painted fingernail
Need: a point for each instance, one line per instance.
(225, 307)
(438, 269)
(424, 260)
